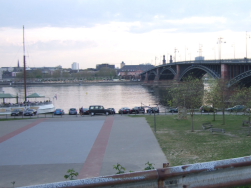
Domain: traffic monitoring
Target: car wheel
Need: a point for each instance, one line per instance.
(92, 113)
(202, 111)
(107, 113)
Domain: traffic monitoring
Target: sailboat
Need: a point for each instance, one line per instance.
(41, 107)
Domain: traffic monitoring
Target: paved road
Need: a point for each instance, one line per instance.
(38, 151)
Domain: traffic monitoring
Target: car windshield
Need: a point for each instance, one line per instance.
(73, 109)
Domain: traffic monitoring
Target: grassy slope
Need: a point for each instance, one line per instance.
(181, 146)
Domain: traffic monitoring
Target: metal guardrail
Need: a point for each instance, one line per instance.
(223, 173)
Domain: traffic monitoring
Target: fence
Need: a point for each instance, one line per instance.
(223, 173)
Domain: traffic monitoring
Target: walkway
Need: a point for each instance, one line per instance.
(38, 151)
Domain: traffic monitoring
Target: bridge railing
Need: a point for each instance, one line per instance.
(223, 173)
(210, 61)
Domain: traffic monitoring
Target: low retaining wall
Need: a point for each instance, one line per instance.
(223, 173)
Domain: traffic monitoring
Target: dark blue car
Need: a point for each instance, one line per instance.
(73, 111)
(59, 112)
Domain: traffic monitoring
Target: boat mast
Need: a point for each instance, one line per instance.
(25, 97)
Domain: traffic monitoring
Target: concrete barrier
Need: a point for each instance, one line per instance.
(223, 173)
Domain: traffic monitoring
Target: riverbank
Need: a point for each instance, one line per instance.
(18, 84)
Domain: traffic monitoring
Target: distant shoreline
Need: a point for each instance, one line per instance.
(18, 84)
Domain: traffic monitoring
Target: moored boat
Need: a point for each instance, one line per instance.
(45, 106)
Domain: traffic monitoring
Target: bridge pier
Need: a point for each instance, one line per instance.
(156, 79)
(146, 78)
(224, 72)
(177, 76)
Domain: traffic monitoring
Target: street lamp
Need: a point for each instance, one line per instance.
(247, 44)
(175, 50)
(220, 42)
(233, 45)
(200, 50)
(186, 52)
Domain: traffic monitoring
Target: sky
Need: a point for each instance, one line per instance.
(90, 32)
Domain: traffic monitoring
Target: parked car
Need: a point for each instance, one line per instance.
(17, 112)
(153, 110)
(173, 110)
(237, 108)
(59, 112)
(137, 110)
(98, 109)
(84, 111)
(112, 110)
(30, 112)
(73, 111)
(124, 110)
(207, 109)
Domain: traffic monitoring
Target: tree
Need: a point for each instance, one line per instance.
(188, 93)
(57, 74)
(106, 72)
(242, 96)
(219, 96)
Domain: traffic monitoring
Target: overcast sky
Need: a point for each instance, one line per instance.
(90, 32)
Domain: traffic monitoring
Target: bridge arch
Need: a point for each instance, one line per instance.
(167, 73)
(151, 75)
(244, 78)
(202, 70)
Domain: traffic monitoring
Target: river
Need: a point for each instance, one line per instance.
(110, 96)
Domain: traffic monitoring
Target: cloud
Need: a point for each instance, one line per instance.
(62, 45)
(52, 45)
(86, 13)
(191, 24)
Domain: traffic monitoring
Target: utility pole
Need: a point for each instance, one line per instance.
(175, 50)
(200, 50)
(247, 44)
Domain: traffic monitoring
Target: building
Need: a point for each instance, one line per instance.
(100, 66)
(75, 66)
(199, 58)
(133, 71)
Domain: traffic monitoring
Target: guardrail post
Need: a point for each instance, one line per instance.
(165, 165)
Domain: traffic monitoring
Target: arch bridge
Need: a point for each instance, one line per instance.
(233, 70)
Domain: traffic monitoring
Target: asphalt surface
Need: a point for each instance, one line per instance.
(39, 151)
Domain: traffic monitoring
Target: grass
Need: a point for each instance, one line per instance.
(181, 146)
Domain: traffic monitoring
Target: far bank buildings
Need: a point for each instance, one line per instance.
(124, 72)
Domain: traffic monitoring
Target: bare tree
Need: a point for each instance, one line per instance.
(188, 93)
(219, 96)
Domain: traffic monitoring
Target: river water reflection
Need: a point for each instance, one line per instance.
(110, 96)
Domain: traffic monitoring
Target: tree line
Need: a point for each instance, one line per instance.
(104, 73)
(190, 93)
